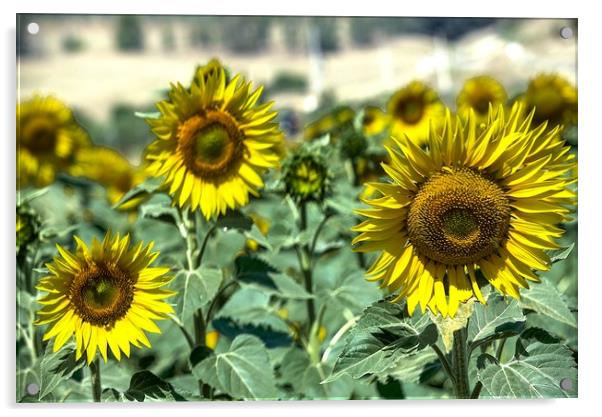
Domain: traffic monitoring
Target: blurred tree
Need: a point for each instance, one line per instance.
(244, 34)
(72, 44)
(328, 32)
(130, 36)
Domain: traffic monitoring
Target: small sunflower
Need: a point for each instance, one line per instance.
(107, 167)
(488, 201)
(478, 94)
(374, 121)
(47, 140)
(553, 98)
(213, 142)
(412, 109)
(106, 295)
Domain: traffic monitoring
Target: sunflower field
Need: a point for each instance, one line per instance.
(400, 247)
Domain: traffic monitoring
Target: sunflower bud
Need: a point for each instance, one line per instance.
(28, 227)
(353, 144)
(305, 175)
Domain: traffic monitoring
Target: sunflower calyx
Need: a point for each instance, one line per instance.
(305, 174)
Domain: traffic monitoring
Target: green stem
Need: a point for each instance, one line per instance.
(460, 364)
(216, 299)
(200, 328)
(314, 241)
(192, 243)
(96, 383)
(304, 257)
(204, 244)
(194, 261)
(500, 349)
(187, 336)
(444, 363)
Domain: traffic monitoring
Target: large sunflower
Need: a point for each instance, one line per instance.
(213, 142)
(477, 94)
(412, 109)
(488, 201)
(47, 140)
(554, 99)
(106, 295)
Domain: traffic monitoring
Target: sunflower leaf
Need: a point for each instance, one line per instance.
(544, 298)
(148, 115)
(243, 372)
(540, 373)
(381, 339)
(497, 319)
(148, 186)
(162, 212)
(235, 220)
(56, 367)
(561, 254)
(271, 337)
(146, 385)
(195, 289)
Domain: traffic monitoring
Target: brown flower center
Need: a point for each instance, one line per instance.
(410, 109)
(102, 293)
(458, 217)
(39, 135)
(210, 144)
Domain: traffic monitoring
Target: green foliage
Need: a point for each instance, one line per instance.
(129, 33)
(536, 373)
(544, 298)
(73, 44)
(499, 318)
(288, 82)
(195, 289)
(381, 338)
(243, 371)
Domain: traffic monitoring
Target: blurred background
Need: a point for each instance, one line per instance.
(108, 67)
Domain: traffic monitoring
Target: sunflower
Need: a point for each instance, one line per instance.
(213, 142)
(107, 167)
(334, 123)
(470, 204)
(478, 94)
(47, 140)
(374, 121)
(412, 109)
(106, 295)
(553, 98)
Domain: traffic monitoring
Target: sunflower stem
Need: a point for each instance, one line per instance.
(192, 243)
(96, 383)
(460, 364)
(304, 256)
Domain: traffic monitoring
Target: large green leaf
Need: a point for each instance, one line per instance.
(145, 384)
(195, 289)
(416, 367)
(148, 186)
(536, 375)
(243, 372)
(164, 212)
(306, 378)
(500, 317)
(544, 298)
(57, 367)
(382, 337)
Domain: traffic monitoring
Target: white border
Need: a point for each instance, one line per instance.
(590, 285)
